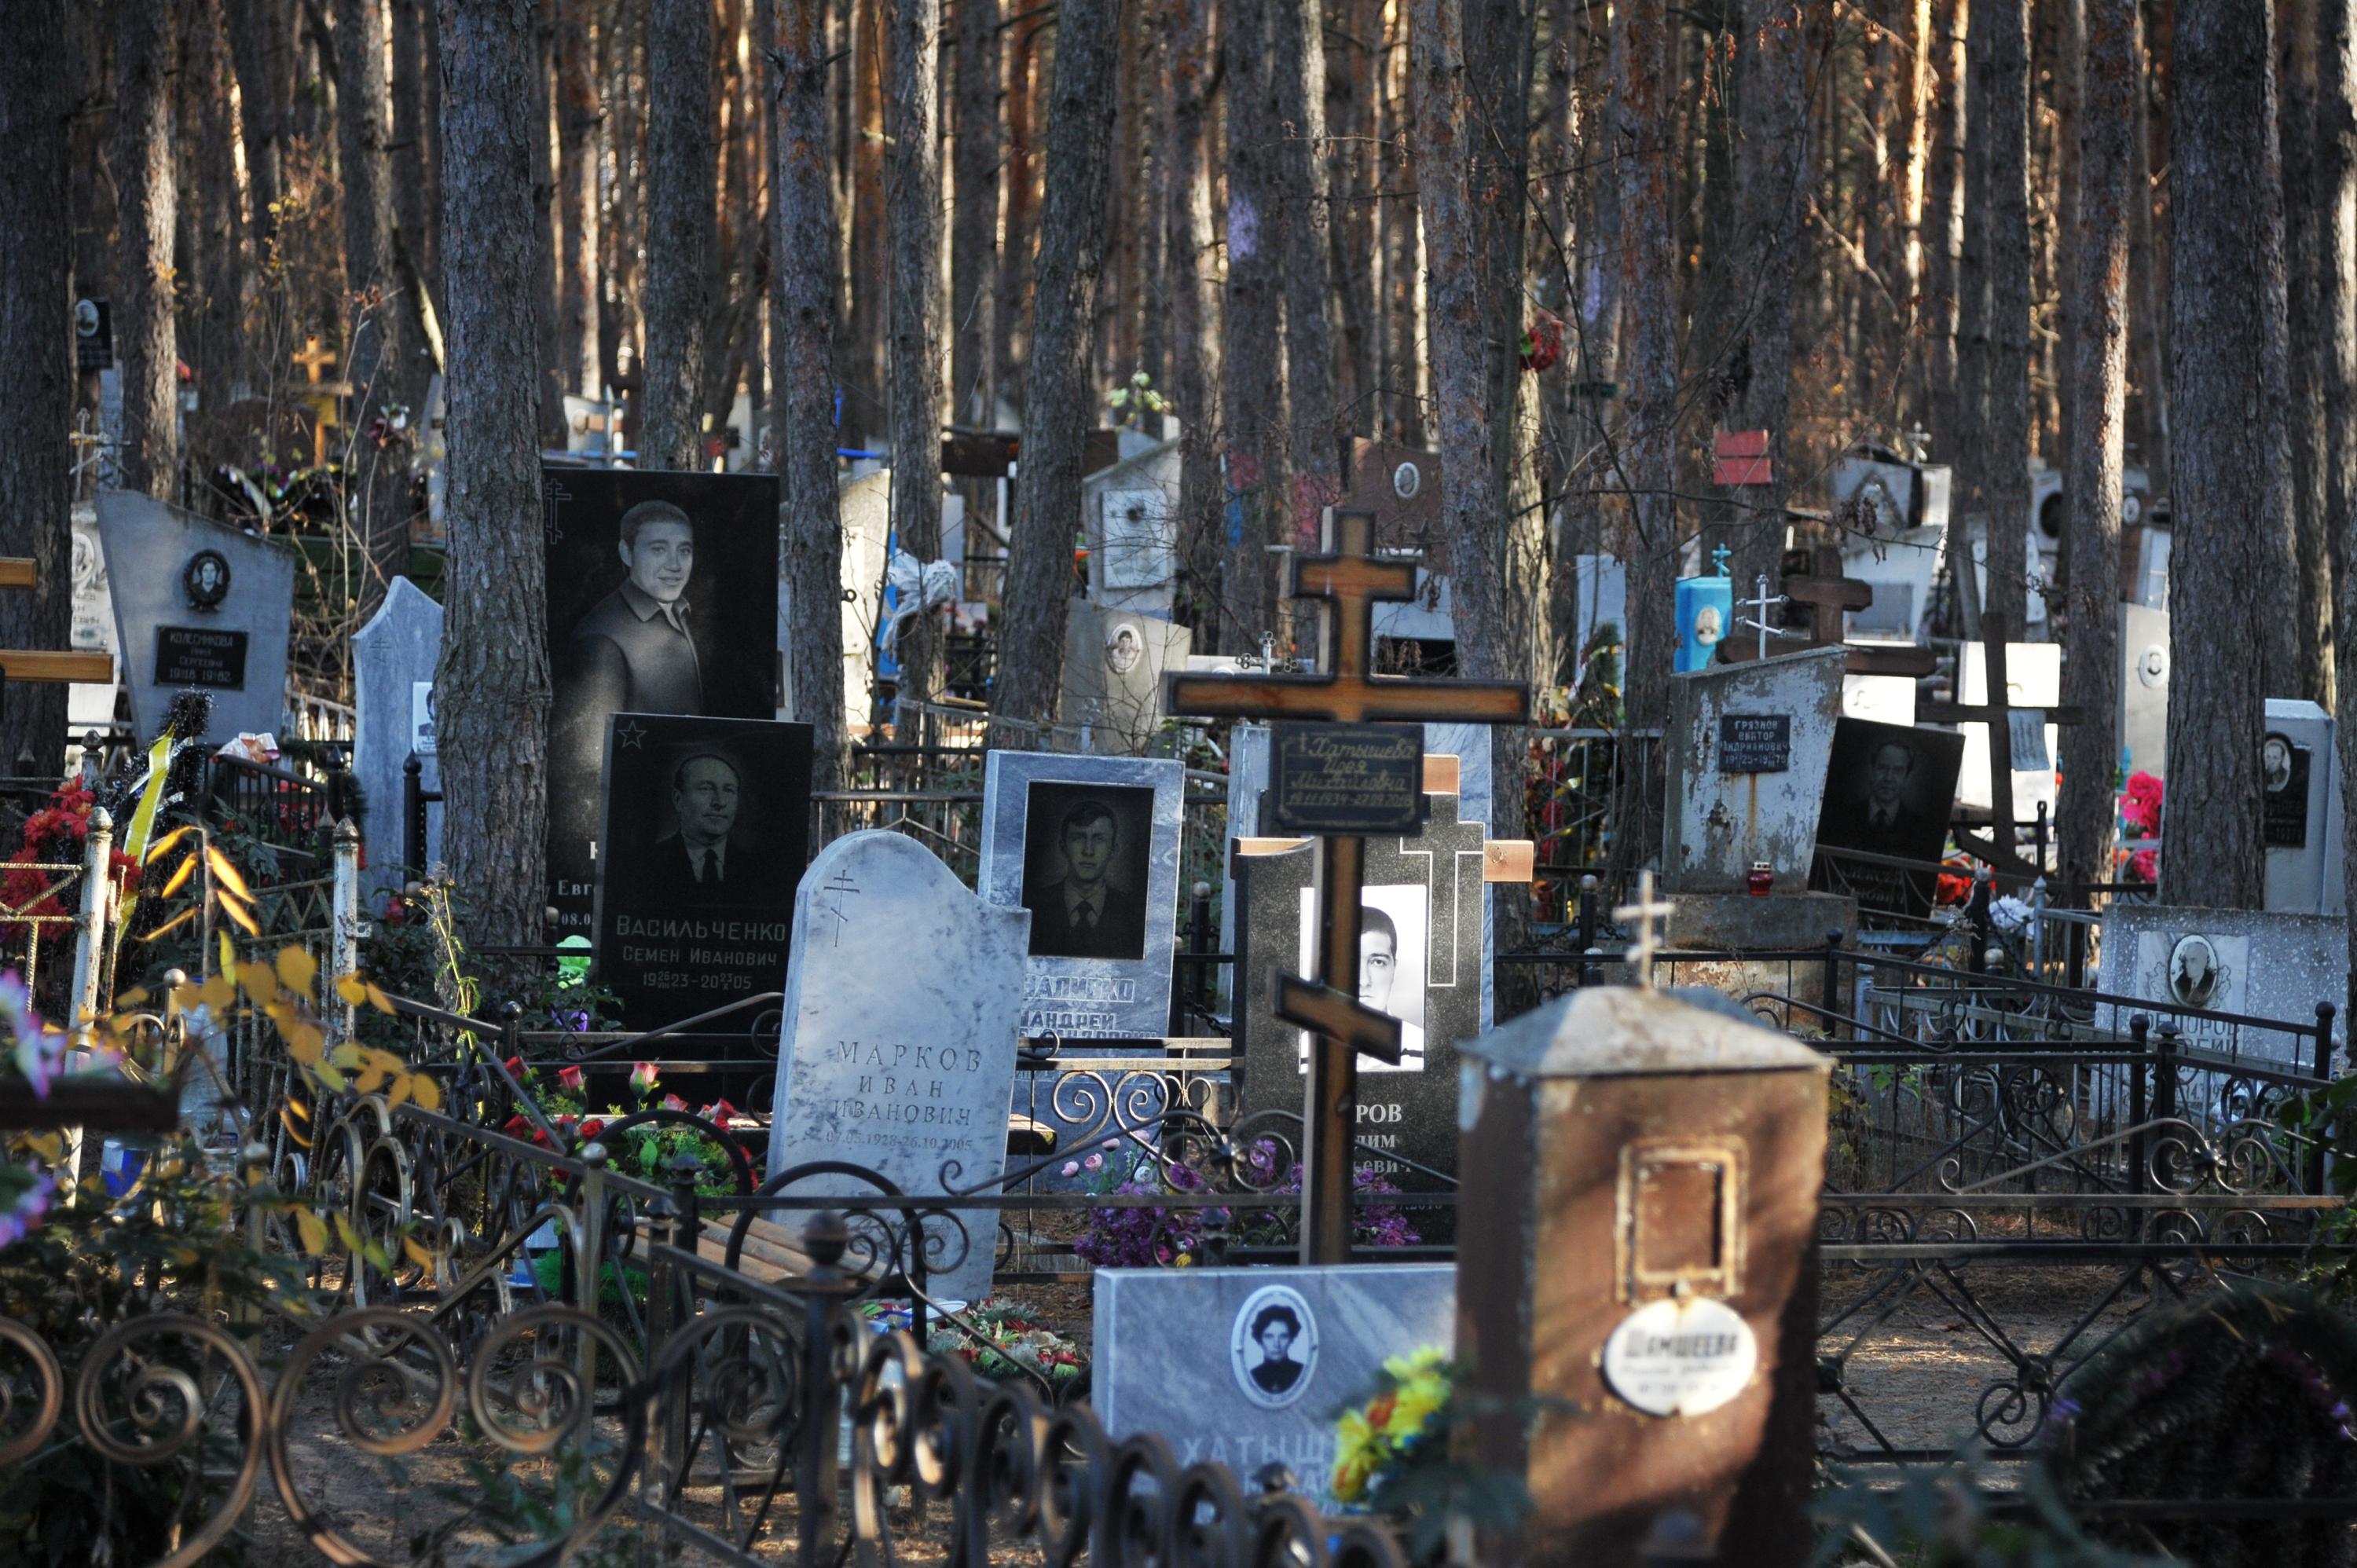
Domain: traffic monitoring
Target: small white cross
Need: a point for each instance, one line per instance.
(1645, 911)
(1763, 604)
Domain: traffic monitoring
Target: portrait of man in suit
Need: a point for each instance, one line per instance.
(701, 858)
(1378, 969)
(1084, 870)
(1890, 789)
(633, 653)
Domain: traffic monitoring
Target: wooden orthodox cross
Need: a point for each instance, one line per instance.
(1828, 597)
(1347, 692)
(1998, 847)
(46, 665)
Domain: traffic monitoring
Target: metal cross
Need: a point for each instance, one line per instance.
(1346, 690)
(1645, 911)
(1718, 558)
(1763, 604)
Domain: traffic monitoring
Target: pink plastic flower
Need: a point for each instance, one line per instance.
(642, 1076)
(570, 1077)
(1071, 1167)
(1095, 1161)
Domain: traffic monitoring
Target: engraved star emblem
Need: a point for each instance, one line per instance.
(630, 737)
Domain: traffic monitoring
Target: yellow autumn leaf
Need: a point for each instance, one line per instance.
(228, 956)
(418, 1255)
(349, 1056)
(351, 990)
(226, 874)
(314, 1231)
(132, 998)
(49, 1146)
(425, 1091)
(156, 851)
(220, 991)
(379, 1000)
(238, 913)
(179, 878)
(182, 918)
(371, 1078)
(305, 1043)
(330, 1078)
(296, 970)
(347, 1232)
(398, 1090)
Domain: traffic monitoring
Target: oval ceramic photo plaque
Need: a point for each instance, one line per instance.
(1671, 1358)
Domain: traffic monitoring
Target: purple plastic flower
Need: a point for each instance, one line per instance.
(1095, 1161)
(1071, 1167)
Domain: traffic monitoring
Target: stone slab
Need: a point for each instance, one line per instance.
(1720, 823)
(2249, 961)
(393, 656)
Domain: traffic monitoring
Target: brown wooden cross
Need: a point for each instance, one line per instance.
(320, 394)
(1829, 596)
(46, 665)
(1346, 691)
(1997, 848)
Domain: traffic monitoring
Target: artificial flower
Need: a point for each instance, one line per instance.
(570, 1077)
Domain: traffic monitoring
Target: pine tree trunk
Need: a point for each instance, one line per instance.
(2229, 568)
(1352, 88)
(493, 679)
(913, 205)
(860, 359)
(2336, 279)
(803, 372)
(374, 361)
(2004, 133)
(147, 338)
(1970, 438)
(209, 146)
(680, 190)
(1010, 321)
(1195, 317)
(1297, 80)
(1252, 400)
(551, 415)
(578, 114)
(1402, 301)
(2308, 335)
(1943, 231)
(1644, 121)
(974, 222)
(257, 43)
(412, 131)
(1773, 175)
(1058, 400)
(2148, 305)
(2111, 77)
(37, 343)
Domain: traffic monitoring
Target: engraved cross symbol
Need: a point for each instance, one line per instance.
(1645, 911)
(1762, 603)
(830, 903)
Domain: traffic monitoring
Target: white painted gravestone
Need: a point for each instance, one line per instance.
(2144, 689)
(1746, 755)
(2299, 784)
(90, 702)
(1090, 845)
(1249, 1367)
(1131, 513)
(903, 999)
(197, 604)
(2249, 961)
(1113, 663)
(393, 679)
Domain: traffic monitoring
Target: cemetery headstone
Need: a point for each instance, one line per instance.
(1114, 664)
(393, 681)
(1420, 961)
(2254, 962)
(661, 599)
(1131, 513)
(1647, 1172)
(1090, 845)
(1248, 1367)
(1745, 751)
(904, 1000)
(704, 834)
(198, 603)
(1890, 789)
(2144, 689)
(91, 702)
(1705, 607)
(2299, 783)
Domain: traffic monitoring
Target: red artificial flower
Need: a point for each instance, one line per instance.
(1542, 345)
(720, 1110)
(2140, 802)
(642, 1077)
(673, 1102)
(591, 1128)
(570, 1077)
(515, 1066)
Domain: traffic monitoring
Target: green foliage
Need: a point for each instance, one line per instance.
(1942, 1518)
(523, 1517)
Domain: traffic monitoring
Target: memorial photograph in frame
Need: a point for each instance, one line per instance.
(1087, 851)
(1394, 964)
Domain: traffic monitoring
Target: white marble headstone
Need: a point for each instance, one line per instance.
(1747, 749)
(2253, 963)
(1026, 795)
(903, 999)
(182, 620)
(392, 658)
(2299, 780)
(2144, 689)
(90, 702)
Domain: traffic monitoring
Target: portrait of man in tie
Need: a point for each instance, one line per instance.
(1890, 789)
(701, 857)
(1084, 851)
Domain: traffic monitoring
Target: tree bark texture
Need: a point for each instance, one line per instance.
(1772, 181)
(2147, 306)
(2336, 272)
(375, 362)
(1644, 125)
(1252, 402)
(545, 333)
(493, 677)
(1944, 227)
(36, 342)
(257, 43)
(974, 220)
(1195, 316)
(2112, 76)
(2004, 133)
(1057, 401)
(412, 131)
(2308, 339)
(147, 338)
(212, 322)
(2230, 569)
(912, 176)
(1303, 208)
(802, 343)
(682, 186)
(578, 114)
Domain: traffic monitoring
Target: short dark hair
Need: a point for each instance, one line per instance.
(1374, 920)
(1884, 745)
(679, 774)
(645, 512)
(1086, 813)
(1276, 1314)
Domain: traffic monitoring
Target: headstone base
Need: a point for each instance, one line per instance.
(1720, 922)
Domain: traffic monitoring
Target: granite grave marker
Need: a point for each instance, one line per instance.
(904, 1000)
(2259, 963)
(392, 658)
(198, 603)
(706, 832)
